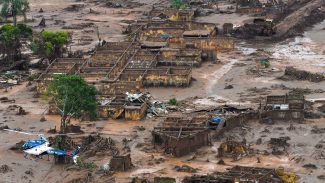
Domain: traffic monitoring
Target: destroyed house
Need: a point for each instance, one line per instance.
(121, 163)
(180, 141)
(171, 14)
(118, 106)
(238, 174)
(284, 107)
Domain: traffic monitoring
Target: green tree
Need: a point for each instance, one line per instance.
(51, 44)
(179, 4)
(12, 38)
(14, 8)
(72, 97)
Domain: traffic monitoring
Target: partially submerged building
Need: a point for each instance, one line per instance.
(283, 107)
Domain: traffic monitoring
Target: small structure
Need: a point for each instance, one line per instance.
(283, 107)
(121, 163)
(180, 141)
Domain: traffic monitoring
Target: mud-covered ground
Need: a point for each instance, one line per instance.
(240, 68)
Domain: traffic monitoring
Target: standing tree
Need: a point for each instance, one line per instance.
(14, 8)
(11, 40)
(51, 44)
(72, 97)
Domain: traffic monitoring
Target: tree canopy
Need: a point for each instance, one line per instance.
(11, 38)
(51, 44)
(14, 8)
(73, 97)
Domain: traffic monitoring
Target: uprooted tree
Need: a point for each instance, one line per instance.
(50, 45)
(73, 97)
(14, 8)
(12, 39)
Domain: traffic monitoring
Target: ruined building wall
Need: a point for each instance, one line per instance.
(121, 163)
(287, 115)
(135, 113)
(173, 78)
(184, 145)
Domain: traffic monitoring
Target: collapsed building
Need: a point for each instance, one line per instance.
(283, 107)
(241, 174)
(179, 136)
(157, 53)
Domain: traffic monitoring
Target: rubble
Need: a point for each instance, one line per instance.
(4, 127)
(17, 109)
(5, 169)
(83, 179)
(293, 73)
(221, 162)
(17, 146)
(74, 7)
(321, 177)
(234, 149)
(244, 174)
(164, 180)
(279, 145)
(280, 142)
(317, 130)
(185, 168)
(310, 166)
(94, 145)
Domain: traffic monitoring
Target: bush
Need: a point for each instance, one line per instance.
(87, 165)
(32, 77)
(173, 101)
(179, 4)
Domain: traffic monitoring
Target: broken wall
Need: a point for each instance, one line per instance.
(121, 163)
(135, 113)
(183, 145)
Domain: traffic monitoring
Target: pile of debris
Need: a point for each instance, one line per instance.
(5, 169)
(7, 100)
(10, 78)
(317, 130)
(17, 146)
(259, 27)
(95, 144)
(16, 109)
(244, 174)
(121, 3)
(234, 149)
(74, 7)
(277, 143)
(63, 142)
(293, 73)
(84, 179)
(185, 168)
